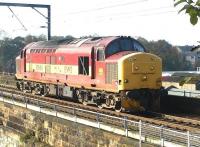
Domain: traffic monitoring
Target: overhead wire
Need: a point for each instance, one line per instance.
(144, 12)
(39, 12)
(17, 18)
(124, 14)
(141, 11)
(107, 7)
(132, 16)
(158, 13)
(128, 15)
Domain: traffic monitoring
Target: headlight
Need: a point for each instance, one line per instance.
(136, 67)
(144, 78)
(126, 81)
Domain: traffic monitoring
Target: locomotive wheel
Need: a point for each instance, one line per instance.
(85, 103)
(110, 101)
(100, 106)
(118, 106)
(45, 90)
(33, 92)
(85, 99)
(81, 97)
(99, 102)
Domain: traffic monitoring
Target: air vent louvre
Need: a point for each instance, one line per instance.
(111, 72)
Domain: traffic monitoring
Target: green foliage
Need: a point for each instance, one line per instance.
(69, 37)
(10, 49)
(28, 137)
(190, 7)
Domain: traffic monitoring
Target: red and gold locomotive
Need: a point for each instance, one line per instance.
(111, 72)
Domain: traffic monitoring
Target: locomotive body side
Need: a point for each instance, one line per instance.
(104, 71)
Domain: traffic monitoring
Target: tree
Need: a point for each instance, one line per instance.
(57, 38)
(28, 39)
(10, 48)
(191, 7)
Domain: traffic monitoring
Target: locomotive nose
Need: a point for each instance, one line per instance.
(139, 70)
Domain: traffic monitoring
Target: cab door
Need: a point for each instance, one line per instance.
(93, 64)
(100, 66)
(24, 56)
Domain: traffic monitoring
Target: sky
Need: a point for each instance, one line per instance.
(150, 19)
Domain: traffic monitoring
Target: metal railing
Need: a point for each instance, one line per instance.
(142, 131)
(184, 93)
(7, 73)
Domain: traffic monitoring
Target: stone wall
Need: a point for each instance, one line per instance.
(36, 127)
(6, 140)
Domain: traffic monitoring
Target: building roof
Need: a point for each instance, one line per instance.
(196, 48)
(178, 77)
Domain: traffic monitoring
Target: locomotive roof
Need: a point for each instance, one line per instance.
(75, 43)
(111, 45)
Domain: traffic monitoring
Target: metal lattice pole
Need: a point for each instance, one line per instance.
(48, 7)
(140, 133)
(126, 126)
(188, 139)
(161, 137)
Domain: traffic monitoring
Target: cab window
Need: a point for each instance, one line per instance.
(124, 44)
(100, 55)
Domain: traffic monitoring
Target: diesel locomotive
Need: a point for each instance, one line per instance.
(111, 72)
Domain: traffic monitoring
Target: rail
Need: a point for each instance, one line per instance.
(135, 129)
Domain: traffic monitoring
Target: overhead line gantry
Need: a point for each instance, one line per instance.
(34, 6)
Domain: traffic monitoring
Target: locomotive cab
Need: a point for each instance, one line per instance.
(133, 73)
(21, 64)
(139, 77)
(125, 68)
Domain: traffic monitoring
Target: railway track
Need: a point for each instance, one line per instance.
(169, 121)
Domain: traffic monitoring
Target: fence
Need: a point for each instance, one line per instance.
(7, 73)
(142, 131)
(184, 93)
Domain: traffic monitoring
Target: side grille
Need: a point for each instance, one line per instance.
(111, 72)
